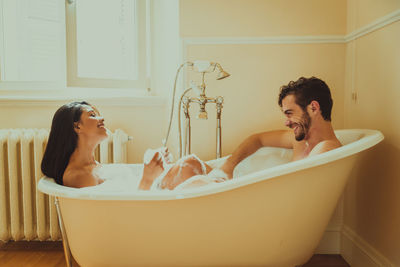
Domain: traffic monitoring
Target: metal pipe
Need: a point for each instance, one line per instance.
(219, 138)
(187, 128)
(185, 101)
(67, 251)
(188, 144)
(173, 101)
(219, 102)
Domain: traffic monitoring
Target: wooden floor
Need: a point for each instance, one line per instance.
(51, 254)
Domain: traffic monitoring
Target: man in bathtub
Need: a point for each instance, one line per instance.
(307, 105)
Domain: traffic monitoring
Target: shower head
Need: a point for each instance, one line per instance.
(204, 66)
(222, 74)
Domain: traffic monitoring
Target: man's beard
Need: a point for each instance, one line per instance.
(303, 127)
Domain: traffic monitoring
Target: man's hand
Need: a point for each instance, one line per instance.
(228, 168)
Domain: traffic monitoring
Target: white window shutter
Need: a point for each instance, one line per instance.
(32, 40)
(106, 39)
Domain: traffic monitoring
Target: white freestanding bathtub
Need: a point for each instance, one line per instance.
(273, 217)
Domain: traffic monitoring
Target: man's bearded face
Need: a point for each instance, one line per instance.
(297, 118)
(301, 127)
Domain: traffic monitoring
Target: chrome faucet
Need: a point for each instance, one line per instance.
(184, 104)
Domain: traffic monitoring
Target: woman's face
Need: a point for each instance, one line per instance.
(91, 124)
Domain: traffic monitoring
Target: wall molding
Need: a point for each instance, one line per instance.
(330, 241)
(373, 26)
(130, 101)
(355, 250)
(264, 40)
(318, 39)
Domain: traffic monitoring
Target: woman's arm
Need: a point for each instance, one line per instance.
(151, 171)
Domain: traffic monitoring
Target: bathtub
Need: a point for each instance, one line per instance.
(271, 217)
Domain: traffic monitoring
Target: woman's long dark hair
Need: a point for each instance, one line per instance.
(62, 140)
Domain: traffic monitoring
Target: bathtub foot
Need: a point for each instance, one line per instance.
(67, 251)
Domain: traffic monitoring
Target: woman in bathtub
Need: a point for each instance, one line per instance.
(77, 128)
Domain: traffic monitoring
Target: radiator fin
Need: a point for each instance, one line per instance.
(27, 185)
(14, 179)
(4, 192)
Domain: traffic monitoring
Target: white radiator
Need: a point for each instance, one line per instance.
(25, 213)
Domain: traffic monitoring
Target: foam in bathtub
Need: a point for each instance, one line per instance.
(215, 176)
(125, 178)
(266, 157)
(117, 178)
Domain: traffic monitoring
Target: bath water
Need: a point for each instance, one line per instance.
(126, 177)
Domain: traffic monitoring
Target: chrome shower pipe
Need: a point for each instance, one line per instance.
(219, 103)
(173, 101)
(183, 104)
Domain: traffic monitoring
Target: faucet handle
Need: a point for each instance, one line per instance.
(195, 88)
(202, 115)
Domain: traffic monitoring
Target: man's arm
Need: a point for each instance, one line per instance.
(280, 138)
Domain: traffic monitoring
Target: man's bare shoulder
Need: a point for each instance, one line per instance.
(325, 146)
(79, 178)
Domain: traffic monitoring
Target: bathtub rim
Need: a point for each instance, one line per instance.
(369, 139)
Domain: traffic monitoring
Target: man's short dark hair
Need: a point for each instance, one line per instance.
(306, 90)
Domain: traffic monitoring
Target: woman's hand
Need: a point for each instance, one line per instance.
(168, 158)
(151, 171)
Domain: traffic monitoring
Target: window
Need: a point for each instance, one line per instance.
(82, 43)
(106, 43)
(31, 47)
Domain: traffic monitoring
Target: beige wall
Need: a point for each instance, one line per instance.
(372, 199)
(363, 12)
(262, 17)
(251, 93)
(258, 70)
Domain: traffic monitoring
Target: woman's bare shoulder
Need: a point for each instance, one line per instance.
(79, 178)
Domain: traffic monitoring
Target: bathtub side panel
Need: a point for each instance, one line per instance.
(276, 222)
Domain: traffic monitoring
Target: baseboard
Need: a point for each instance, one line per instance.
(330, 242)
(358, 253)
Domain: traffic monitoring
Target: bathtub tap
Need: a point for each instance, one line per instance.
(202, 101)
(203, 67)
